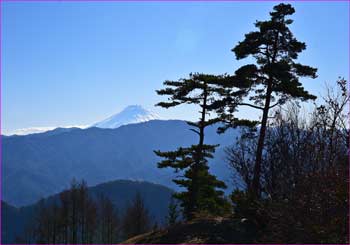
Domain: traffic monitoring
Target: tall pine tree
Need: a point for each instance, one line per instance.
(201, 194)
(272, 80)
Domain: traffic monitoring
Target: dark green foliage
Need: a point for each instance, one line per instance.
(197, 89)
(173, 213)
(201, 193)
(274, 78)
(207, 199)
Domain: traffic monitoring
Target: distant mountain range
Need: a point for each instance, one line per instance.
(131, 114)
(121, 193)
(39, 165)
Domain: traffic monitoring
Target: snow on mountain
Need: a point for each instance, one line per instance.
(36, 130)
(131, 114)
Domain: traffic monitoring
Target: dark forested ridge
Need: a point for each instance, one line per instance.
(156, 198)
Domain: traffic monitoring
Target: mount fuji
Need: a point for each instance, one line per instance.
(130, 115)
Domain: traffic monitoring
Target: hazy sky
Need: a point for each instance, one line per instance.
(75, 63)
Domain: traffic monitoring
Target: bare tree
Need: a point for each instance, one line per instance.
(136, 219)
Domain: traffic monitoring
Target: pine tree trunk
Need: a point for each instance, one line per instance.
(256, 190)
(196, 167)
(202, 121)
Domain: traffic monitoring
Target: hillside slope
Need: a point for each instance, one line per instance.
(199, 231)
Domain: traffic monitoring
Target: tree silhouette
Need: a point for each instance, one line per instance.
(108, 221)
(173, 213)
(136, 219)
(201, 187)
(274, 78)
(71, 219)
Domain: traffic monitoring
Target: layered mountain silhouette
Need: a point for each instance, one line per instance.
(39, 165)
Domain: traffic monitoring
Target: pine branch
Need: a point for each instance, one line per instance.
(250, 105)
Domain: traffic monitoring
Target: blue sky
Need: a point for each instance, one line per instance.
(75, 63)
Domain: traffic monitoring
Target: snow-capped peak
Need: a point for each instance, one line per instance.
(131, 114)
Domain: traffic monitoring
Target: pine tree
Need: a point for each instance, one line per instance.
(201, 193)
(173, 213)
(274, 78)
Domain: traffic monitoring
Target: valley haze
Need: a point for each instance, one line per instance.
(38, 165)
